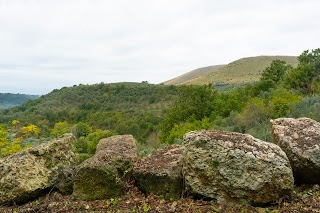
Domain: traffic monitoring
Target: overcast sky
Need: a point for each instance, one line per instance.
(48, 44)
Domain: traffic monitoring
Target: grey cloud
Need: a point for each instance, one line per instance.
(52, 44)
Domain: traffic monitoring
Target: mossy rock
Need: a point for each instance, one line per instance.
(32, 173)
(161, 173)
(170, 188)
(97, 183)
(105, 175)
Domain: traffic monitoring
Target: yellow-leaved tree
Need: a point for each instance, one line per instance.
(14, 147)
(30, 130)
(7, 147)
(16, 125)
(3, 138)
(59, 129)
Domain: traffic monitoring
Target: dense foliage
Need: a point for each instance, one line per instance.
(124, 108)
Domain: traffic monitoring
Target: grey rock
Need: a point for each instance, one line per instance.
(31, 173)
(106, 174)
(161, 173)
(300, 140)
(237, 168)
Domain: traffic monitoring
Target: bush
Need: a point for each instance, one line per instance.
(307, 107)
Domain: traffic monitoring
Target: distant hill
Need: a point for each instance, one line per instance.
(189, 76)
(8, 100)
(245, 70)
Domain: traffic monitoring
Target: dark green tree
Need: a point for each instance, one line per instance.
(305, 77)
(194, 103)
(273, 74)
(81, 129)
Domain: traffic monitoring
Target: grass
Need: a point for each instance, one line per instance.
(242, 71)
(189, 76)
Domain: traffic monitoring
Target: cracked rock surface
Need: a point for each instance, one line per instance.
(161, 173)
(35, 171)
(300, 140)
(234, 167)
(106, 174)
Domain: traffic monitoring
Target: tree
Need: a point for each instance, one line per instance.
(310, 57)
(282, 101)
(275, 72)
(60, 128)
(255, 112)
(305, 77)
(89, 143)
(3, 137)
(196, 102)
(12, 148)
(81, 129)
(16, 124)
(272, 75)
(177, 132)
(30, 130)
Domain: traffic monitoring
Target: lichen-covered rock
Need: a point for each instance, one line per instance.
(233, 167)
(29, 174)
(106, 174)
(300, 140)
(161, 173)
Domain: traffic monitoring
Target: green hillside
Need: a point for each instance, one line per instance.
(189, 76)
(8, 100)
(245, 70)
(126, 108)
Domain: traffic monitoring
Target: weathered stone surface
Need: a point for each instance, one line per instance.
(29, 174)
(161, 173)
(106, 173)
(300, 140)
(233, 167)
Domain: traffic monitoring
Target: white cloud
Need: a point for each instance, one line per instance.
(50, 44)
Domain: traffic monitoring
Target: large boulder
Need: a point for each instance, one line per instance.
(300, 140)
(237, 168)
(33, 172)
(161, 173)
(105, 175)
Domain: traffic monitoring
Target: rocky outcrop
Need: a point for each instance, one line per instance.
(300, 140)
(29, 174)
(233, 167)
(161, 173)
(106, 173)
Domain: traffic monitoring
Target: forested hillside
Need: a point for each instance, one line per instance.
(126, 108)
(8, 100)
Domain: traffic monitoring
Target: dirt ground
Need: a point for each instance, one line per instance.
(304, 199)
